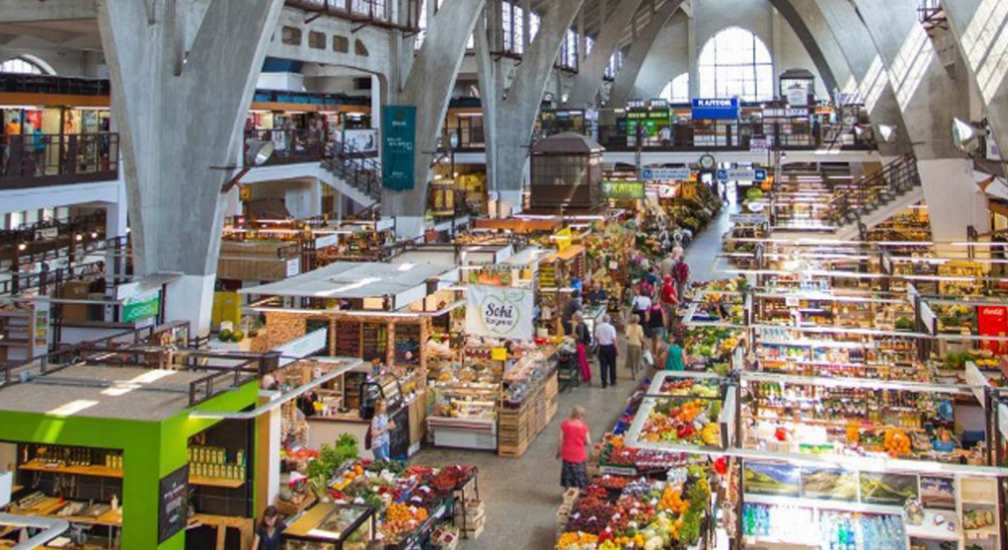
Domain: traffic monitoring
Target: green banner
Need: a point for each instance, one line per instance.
(623, 190)
(398, 146)
(141, 306)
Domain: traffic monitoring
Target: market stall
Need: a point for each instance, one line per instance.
(381, 313)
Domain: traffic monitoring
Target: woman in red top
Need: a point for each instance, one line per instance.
(573, 450)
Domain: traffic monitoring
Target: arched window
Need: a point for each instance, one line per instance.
(25, 65)
(735, 62)
(677, 90)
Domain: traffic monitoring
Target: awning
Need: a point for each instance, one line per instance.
(353, 280)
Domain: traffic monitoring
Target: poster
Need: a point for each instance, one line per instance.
(829, 483)
(891, 489)
(771, 479)
(623, 190)
(715, 109)
(499, 312)
(141, 306)
(398, 144)
(992, 321)
(173, 503)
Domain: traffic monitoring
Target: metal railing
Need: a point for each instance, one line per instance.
(31, 160)
(361, 172)
(865, 195)
(380, 13)
(291, 146)
(728, 136)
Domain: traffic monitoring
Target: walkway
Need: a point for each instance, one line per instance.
(522, 495)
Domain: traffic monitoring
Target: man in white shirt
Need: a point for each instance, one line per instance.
(605, 337)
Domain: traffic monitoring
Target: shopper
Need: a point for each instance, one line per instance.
(669, 297)
(605, 338)
(573, 306)
(269, 533)
(573, 450)
(380, 428)
(641, 302)
(582, 336)
(675, 355)
(634, 344)
(597, 295)
(680, 272)
(655, 328)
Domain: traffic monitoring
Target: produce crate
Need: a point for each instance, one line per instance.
(472, 531)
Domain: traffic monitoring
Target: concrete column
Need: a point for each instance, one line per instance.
(582, 40)
(486, 72)
(978, 27)
(428, 87)
(928, 98)
(623, 86)
(178, 119)
(694, 56)
(589, 77)
(376, 101)
(775, 49)
(868, 69)
(516, 112)
(526, 24)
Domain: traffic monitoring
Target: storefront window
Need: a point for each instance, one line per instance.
(677, 90)
(735, 62)
(25, 65)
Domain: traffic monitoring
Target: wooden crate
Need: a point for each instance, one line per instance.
(472, 531)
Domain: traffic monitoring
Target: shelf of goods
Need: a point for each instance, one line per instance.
(855, 417)
(614, 513)
(847, 509)
(409, 503)
(24, 330)
(493, 400)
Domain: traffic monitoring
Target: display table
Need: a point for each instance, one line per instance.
(520, 424)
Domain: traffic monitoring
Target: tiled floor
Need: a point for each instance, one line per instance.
(522, 495)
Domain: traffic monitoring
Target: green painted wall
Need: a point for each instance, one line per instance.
(151, 450)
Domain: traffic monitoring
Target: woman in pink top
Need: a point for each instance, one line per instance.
(573, 450)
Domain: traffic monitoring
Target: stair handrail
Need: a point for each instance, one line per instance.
(363, 173)
(892, 175)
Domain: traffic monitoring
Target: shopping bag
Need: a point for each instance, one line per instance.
(647, 358)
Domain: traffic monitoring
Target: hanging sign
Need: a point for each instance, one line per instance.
(742, 174)
(623, 190)
(499, 312)
(398, 146)
(173, 503)
(665, 174)
(141, 306)
(293, 267)
(715, 109)
(796, 95)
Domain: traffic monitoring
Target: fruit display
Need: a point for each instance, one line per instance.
(401, 519)
(645, 514)
(711, 345)
(692, 422)
(691, 387)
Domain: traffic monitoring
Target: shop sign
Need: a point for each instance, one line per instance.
(46, 233)
(141, 306)
(293, 267)
(796, 95)
(758, 145)
(742, 174)
(326, 241)
(173, 503)
(715, 109)
(499, 312)
(623, 190)
(665, 174)
(398, 146)
(927, 316)
(667, 191)
(992, 321)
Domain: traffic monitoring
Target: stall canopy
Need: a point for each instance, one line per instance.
(355, 280)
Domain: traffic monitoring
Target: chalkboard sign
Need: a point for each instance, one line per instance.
(399, 438)
(173, 504)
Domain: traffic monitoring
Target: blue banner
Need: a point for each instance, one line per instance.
(715, 109)
(398, 146)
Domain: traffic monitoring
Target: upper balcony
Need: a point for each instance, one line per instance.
(39, 160)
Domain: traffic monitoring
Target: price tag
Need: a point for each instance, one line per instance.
(498, 354)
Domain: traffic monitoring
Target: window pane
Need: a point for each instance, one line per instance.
(735, 62)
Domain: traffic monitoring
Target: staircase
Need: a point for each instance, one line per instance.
(876, 198)
(354, 170)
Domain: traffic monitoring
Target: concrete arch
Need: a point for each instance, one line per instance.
(815, 47)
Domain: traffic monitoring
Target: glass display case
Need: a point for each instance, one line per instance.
(332, 527)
